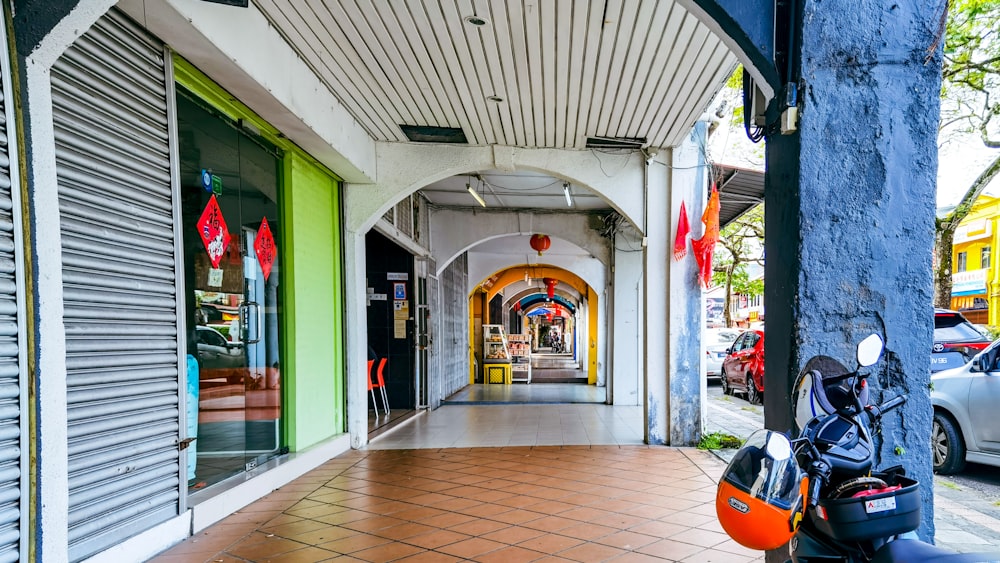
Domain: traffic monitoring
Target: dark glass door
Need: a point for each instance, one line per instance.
(229, 188)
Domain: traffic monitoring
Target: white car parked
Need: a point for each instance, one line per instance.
(716, 342)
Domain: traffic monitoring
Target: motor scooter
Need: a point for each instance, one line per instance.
(819, 491)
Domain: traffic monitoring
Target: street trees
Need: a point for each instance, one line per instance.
(970, 92)
(741, 243)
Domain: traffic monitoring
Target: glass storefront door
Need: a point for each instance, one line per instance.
(229, 183)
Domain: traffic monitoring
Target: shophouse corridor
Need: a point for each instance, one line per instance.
(504, 483)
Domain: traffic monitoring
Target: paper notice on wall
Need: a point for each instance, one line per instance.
(400, 310)
(399, 328)
(215, 277)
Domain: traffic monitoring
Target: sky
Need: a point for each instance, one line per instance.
(959, 164)
(960, 161)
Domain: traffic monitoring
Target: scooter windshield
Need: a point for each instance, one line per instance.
(765, 468)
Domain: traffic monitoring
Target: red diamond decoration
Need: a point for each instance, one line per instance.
(264, 246)
(213, 231)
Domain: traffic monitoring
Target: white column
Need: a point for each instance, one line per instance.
(356, 327)
(625, 309)
(686, 382)
(656, 267)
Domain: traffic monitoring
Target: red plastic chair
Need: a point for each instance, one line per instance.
(380, 384)
(371, 387)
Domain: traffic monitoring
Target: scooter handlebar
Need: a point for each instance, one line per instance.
(876, 411)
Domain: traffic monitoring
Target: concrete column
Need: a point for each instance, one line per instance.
(356, 329)
(626, 335)
(657, 298)
(688, 180)
(850, 211)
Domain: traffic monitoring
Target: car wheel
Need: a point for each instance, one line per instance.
(947, 446)
(724, 379)
(753, 395)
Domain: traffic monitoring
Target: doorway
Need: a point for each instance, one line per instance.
(229, 186)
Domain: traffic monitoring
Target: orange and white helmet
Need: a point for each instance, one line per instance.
(760, 496)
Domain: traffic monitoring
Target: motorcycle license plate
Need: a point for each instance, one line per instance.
(874, 506)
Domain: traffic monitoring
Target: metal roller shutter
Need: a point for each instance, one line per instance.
(119, 254)
(12, 454)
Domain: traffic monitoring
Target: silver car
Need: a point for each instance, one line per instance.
(716, 342)
(965, 400)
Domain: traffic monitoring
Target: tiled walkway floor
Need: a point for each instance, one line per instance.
(512, 504)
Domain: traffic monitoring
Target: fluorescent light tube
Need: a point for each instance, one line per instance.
(569, 196)
(475, 195)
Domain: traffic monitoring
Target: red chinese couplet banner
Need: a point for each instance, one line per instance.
(265, 248)
(213, 231)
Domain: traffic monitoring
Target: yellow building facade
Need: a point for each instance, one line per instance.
(975, 284)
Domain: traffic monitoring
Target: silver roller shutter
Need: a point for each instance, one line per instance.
(117, 227)
(12, 418)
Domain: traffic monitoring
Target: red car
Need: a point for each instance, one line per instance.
(743, 368)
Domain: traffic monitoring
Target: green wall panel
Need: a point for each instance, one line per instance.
(315, 405)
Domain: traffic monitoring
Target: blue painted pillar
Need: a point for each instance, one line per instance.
(850, 207)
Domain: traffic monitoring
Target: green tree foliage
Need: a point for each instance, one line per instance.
(740, 243)
(970, 92)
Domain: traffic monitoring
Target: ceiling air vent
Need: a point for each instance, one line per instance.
(428, 134)
(616, 142)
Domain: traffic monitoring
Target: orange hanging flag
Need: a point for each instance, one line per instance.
(683, 229)
(705, 246)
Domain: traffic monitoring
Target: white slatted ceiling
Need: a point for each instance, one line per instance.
(567, 69)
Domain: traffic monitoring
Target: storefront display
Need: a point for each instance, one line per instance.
(496, 355)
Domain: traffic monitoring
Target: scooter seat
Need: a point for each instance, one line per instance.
(915, 551)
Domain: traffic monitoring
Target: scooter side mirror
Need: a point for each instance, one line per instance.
(869, 350)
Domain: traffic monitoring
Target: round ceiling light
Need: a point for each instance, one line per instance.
(476, 21)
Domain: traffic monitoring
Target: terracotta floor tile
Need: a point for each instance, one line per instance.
(714, 556)
(325, 534)
(627, 540)
(388, 552)
(436, 539)
(471, 548)
(585, 514)
(403, 531)
(292, 529)
(627, 504)
(587, 532)
(552, 506)
(513, 535)
(305, 555)
(550, 523)
(430, 557)
(518, 516)
(670, 549)
(635, 557)
(417, 513)
(550, 543)
(252, 549)
(591, 552)
(353, 543)
(510, 554)
(456, 504)
(316, 511)
(373, 523)
(659, 529)
(703, 538)
(479, 527)
(447, 519)
(345, 517)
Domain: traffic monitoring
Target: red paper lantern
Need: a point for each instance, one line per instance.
(540, 243)
(550, 284)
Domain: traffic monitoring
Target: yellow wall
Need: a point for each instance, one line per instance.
(986, 211)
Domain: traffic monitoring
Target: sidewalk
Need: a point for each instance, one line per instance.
(625, 504)
(963, 520)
